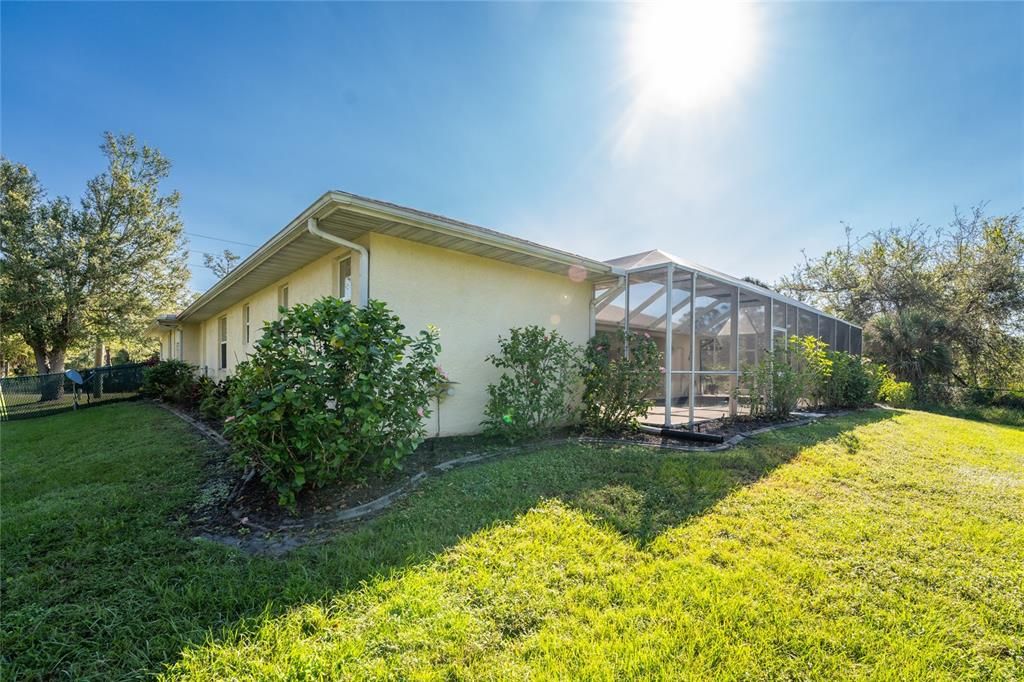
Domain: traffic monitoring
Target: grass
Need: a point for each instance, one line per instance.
(877, 545)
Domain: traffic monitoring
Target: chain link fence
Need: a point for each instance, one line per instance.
(41, 394)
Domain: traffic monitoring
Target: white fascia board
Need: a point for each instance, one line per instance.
(471, 233)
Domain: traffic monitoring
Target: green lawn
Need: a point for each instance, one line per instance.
(877, 545)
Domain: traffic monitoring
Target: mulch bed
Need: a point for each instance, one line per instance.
(244, 513)
(258, 503)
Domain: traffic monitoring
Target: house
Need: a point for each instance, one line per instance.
(474, 284)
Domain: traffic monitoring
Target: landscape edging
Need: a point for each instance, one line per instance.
(402, 490)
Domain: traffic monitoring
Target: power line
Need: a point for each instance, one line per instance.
(220, 239)
(205, 253)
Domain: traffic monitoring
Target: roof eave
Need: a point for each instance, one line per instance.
(470, 232)
(292, 230)
(331, 201)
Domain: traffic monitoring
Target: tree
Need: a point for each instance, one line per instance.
(937, 304)
(15, 356)
(221, 263)
(95, 271)
(915, 345)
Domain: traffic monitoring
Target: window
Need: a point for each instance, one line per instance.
(178, 349)
(222, 336)
(345, 279)
(245, 323)
(282, 297)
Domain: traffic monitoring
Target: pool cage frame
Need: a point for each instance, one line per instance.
(732, 321)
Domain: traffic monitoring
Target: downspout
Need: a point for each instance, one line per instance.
(364, 257)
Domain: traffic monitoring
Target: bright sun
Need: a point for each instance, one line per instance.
(686, 54)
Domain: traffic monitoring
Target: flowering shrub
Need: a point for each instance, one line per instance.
(331, 390)
(617, 386)
(534, 393)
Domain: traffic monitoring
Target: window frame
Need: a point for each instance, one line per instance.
(222, 342)
(282, 298)
(246, 320)
(342, 262)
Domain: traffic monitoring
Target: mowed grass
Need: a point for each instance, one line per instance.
(877, 545)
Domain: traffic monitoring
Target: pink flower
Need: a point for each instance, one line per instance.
(419, 411)
(229, 419)
(661, 369)
(646, 335)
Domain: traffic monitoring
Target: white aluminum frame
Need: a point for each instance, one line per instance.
(621, 284)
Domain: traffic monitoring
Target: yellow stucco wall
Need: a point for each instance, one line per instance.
(470, 299)
(319, 278)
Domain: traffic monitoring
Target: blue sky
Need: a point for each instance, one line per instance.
(513, 116)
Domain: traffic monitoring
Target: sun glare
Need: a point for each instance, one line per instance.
(684, 55)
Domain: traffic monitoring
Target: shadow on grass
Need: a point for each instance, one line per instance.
(1002, 416)
(140, 592)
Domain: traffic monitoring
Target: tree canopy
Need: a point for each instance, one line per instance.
(937, 305)
(221, 263)
(95, 270)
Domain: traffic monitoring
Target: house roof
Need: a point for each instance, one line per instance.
(351, 216)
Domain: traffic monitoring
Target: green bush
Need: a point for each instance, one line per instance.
(776, 383)
(852, 382)
(896, 393)
(216, 403)
(806, 369)
(535, 392)
(1013, 400)
(990, 397)
(331, 390)
(813, 361)
(171, 380)
(617, 386)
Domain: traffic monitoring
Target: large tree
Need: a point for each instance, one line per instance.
(937, 304)
(92, 271)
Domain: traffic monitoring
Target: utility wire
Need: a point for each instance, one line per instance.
(220, 239)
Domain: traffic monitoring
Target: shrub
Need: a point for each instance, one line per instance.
(1010, 399)
(534, 393)
(853, 381)
(215, 403)
(896, 393)
(814, 362)
(776, 383)
(171, 380)
(806, 369)
(617, 386)
(330, 391)
(990, 397)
